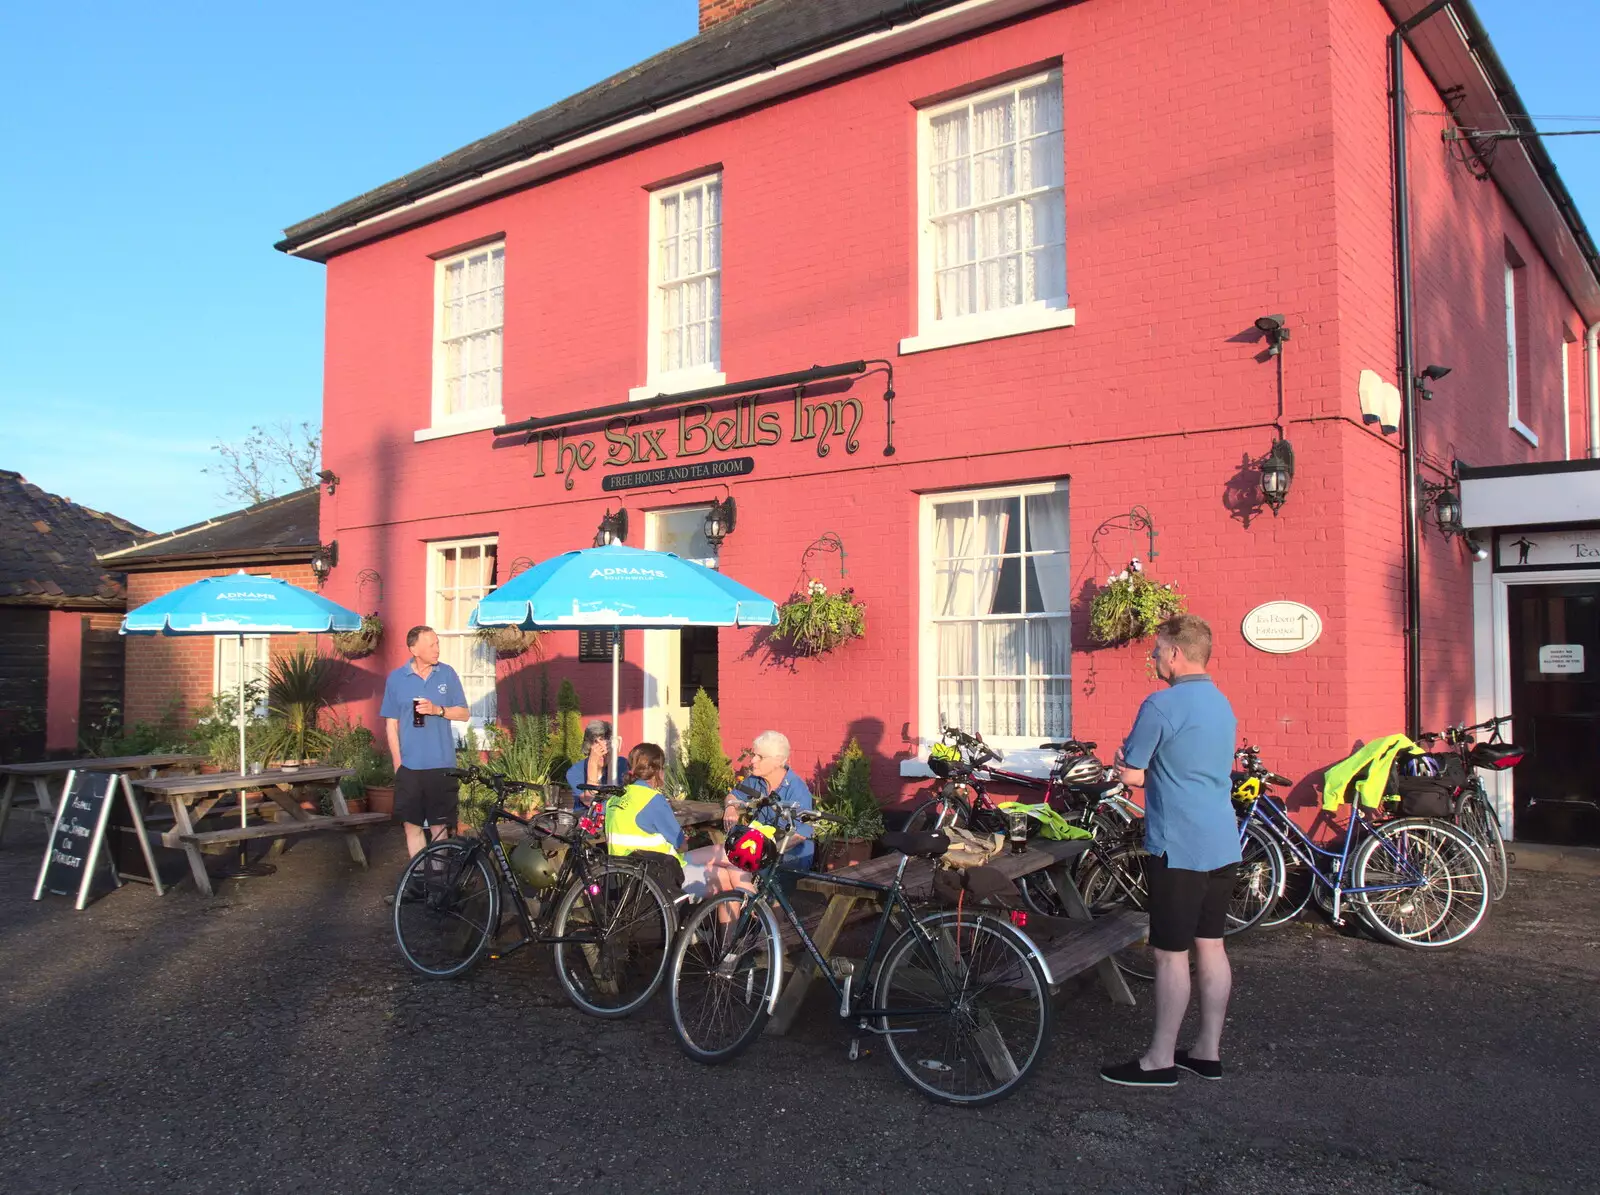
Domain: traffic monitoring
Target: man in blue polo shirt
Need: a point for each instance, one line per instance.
(1180, 752)
(422, 690)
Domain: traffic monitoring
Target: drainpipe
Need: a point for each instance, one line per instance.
(1591, 353)
(1408, 390)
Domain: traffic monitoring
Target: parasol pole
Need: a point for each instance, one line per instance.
(616, 728)
(244, 820)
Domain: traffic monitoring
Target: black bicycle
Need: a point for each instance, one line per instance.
(1473, 811)
(962, 999)
(608, 922)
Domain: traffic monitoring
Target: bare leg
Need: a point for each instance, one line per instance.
(415, 839)
(1216, 982)
(1172, 1001)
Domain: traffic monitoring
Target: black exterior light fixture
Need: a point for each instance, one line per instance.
(1276, 330)
(613, 528)
(1475, 546)
(1277, 474)
(1431, 374)
(1445, 499)
(324, 561)
(720, 521)
(330, 479)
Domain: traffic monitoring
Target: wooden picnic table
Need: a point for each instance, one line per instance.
(1092, 946)
(700, 815)
(41, 774)
(192, 797)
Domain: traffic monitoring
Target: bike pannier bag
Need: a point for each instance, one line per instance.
(1421, 796)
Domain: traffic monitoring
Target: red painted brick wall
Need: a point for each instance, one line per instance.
(178, 670)
(1189, 213)
(712, 11)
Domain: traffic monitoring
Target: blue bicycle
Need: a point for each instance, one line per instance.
(1417, 882)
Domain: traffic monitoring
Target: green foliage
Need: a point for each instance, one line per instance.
(352, 745)
(569, 726)
(526, 750)
(476, 800)
(818, 621)
(216, 729)
(708, 772)
(299, 688)
(848, 796)
(355, 644)
(107, 737)
(1132, 606)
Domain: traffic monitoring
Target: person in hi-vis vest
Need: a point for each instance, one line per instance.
(640, 821)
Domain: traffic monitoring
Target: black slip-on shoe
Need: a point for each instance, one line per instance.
(1131, 1074)
(1197, 1066)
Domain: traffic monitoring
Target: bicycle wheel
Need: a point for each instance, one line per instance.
(1259, 881)
(928, 816)
(1116, 879)
(976, 1008)
(1039, 895)
(1477, 818)
(1446, 892)
(619, 925)
(446, 909)
(725, 976)
(1296, 895)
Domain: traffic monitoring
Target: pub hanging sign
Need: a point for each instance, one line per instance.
(624, 442)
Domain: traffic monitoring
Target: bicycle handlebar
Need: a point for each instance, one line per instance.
(498, 781)
(981, 750)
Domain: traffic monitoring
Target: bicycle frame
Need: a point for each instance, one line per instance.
(1275, 819)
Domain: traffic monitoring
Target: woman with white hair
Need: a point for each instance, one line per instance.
(769, 773)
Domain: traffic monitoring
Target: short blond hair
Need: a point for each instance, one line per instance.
(1190, 634)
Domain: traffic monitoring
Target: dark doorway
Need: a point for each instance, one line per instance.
(1555, 701)
(697, 664)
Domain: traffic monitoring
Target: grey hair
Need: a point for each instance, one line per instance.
(596, 730)
(770, 742)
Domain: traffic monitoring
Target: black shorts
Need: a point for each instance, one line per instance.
(426, 796)
(1185, 905)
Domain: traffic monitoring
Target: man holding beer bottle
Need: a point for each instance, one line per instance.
(420, 700)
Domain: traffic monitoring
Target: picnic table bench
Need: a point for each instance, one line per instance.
(39, 776)
(192, 797)
(1065, 956)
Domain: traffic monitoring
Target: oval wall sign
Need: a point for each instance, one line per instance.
(1282, 627)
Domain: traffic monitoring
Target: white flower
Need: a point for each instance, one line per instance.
(1124, 575)
(817, 589)
(1135, 565)
(1112, 579)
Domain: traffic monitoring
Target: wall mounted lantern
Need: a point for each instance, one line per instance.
(1431, 374)
(1277, 474)
(324, 561)
(720, 521)
(1274, 328)
(1445, 499)
(613, 528)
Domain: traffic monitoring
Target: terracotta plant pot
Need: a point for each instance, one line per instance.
(850, 853)
(380, 799)
(357, 804)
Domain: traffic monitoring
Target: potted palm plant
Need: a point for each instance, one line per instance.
(299, 689)
(847, 795)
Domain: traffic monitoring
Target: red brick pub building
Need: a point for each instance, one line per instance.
(1054, 233)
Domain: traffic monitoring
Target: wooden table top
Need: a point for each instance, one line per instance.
(1041, 853)
(697, 813)
(229, 781)
(119, 763)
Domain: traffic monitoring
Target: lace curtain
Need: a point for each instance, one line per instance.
(689, 270)
(471, 323)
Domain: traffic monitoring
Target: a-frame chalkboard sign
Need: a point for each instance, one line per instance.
(78, 836)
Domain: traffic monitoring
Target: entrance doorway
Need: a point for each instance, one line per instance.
(677, 663)
(1554, 640)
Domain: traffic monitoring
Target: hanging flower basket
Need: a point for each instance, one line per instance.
(817, 621)
(1132, 606)
(508, 641)
(352, 645)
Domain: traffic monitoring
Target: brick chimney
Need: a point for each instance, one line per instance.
(714, 12)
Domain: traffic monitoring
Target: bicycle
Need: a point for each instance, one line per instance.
(610, 928)
(1473, 811)
(961, 998)
(1416, 882)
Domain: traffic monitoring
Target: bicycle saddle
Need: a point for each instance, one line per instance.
(919, 844)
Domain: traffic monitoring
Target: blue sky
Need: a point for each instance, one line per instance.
(155, 151)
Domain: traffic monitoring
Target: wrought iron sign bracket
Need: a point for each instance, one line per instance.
(1137, 519)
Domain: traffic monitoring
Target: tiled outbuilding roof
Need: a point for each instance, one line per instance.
(49, 547)
(277, 529)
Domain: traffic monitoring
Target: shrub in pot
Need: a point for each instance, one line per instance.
(847, 795)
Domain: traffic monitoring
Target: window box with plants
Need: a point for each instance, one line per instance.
(816, 622)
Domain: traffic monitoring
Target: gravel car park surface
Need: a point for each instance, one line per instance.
(271, 1040)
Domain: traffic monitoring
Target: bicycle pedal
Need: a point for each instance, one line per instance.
(856, 1052)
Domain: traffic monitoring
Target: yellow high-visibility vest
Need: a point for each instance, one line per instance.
(624, 835)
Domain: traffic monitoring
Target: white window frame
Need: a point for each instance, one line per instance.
(656, 380)
(932, 332)
(473, 421)
(1516, 423)
(1021, 750)
(255, 669)
(483, 705)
